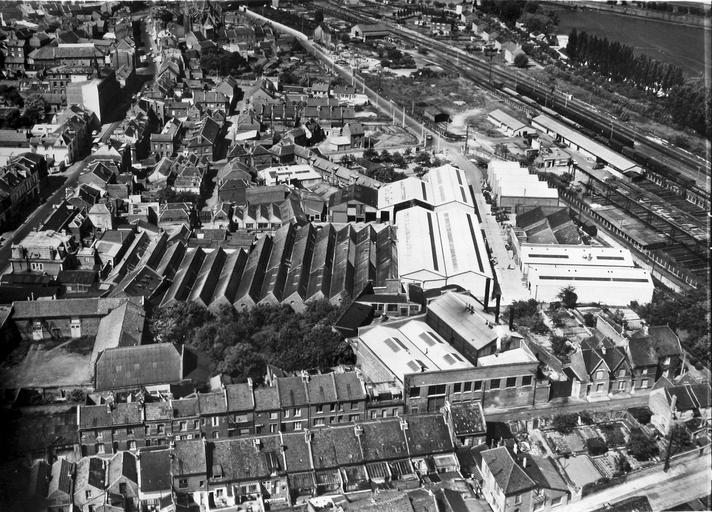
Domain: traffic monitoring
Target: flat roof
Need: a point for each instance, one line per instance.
(527, 189)
(601, 276)
(411, 346)
(586, 255)
(514, 356)
(613, 159)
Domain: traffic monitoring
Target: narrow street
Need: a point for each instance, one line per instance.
(41, 213)
(684, 482)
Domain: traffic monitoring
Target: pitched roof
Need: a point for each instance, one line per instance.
(122, 465)
(510, 476)
(155, 470)
(140, 365)
(109, 415)
(266, 399)
(292, 392)
(190, 457)
(666, 341)
(90, 472)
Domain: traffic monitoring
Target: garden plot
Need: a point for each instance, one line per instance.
(580, 470)
(615, 434)
(557, 443)
(575, 442)
(605, 464)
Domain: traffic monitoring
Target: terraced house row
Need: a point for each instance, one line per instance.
(292, 404)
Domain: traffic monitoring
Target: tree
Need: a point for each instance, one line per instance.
(621, 464)
(35, 108)
(370, 154)
(521, 60)
(346, 160)
(678, 438)
(419, 171)
(560, 347)
(178, 322)
(423, 158)
(13, 119)
(318, 16)
(568, 296)
(345, 38)
(564, 423)
(589, 320)
(641, 446)
(385, 156)
(523, 308)
(398, 160)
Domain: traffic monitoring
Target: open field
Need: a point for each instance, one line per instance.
(669, 42)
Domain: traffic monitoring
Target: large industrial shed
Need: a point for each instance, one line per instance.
(436, 249)
(587, 146)
(613, 286)
(515, 188)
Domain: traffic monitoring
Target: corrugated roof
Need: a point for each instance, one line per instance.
(142, 365)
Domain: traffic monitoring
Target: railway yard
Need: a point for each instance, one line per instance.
(662, 214)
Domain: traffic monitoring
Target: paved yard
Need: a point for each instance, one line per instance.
(580, 470)
(48, 368)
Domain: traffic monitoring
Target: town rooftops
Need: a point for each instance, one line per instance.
(155, 470)
(468, 418)
(109, 415)
(27, 310)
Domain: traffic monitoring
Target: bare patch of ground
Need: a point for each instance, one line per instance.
(46, 366)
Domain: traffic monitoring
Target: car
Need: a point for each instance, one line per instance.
(599, 165)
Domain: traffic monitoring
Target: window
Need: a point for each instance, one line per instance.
(539, 505)
(319, 422)
(131, 445)
(332, 407)
(518, 499)
(216, 435)
(241, 418)
(555, 502)
(297, 425)
(468, 386)
(148, 442)
(384, 413)
(215, 421)
(436, 390)
(599, 387)
(286, 413)
(122, 488)
(599, 374)
(478, 385)
(621, 373)
(129, 431)
(297, 413)
(394, 412)
(644, 383)
(354, 406)
(414, 410)
(183, 483)
(273, 428)
(373, 415)
(511, 382)
(527, 380)
(457, 388)
(622, 385)
(161, 429)
(319, 409)
(666, 361)
(37, 266)
(494, 384)
(87, 494)
(184, 425)
(414, 392)
(645, 371)
(100, 448)
(273, 415)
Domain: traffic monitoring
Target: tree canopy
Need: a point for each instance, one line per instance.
(641, 446)
(240, 343)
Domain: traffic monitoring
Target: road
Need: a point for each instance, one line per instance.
(684, 482)
(41, 213)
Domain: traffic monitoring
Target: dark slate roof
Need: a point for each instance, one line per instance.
(321, 389)
(685, 401)
(239, 397)
(701, 392)
(383, 439)
(428, 434)
(666, 341)
(90, 472)
(155, 470)
(213, 402)
(266, 399)
(241, 459)
(468, 418)
(642, 352)
(296, 451)
(355, 192)
(123, 464)
(189, 457)
(40, 473)
(509, 475)
(155, 411)
(349, 387)
(292, 392)
(62, 475)
(140, 365)
(185, 407)
(122, 413)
